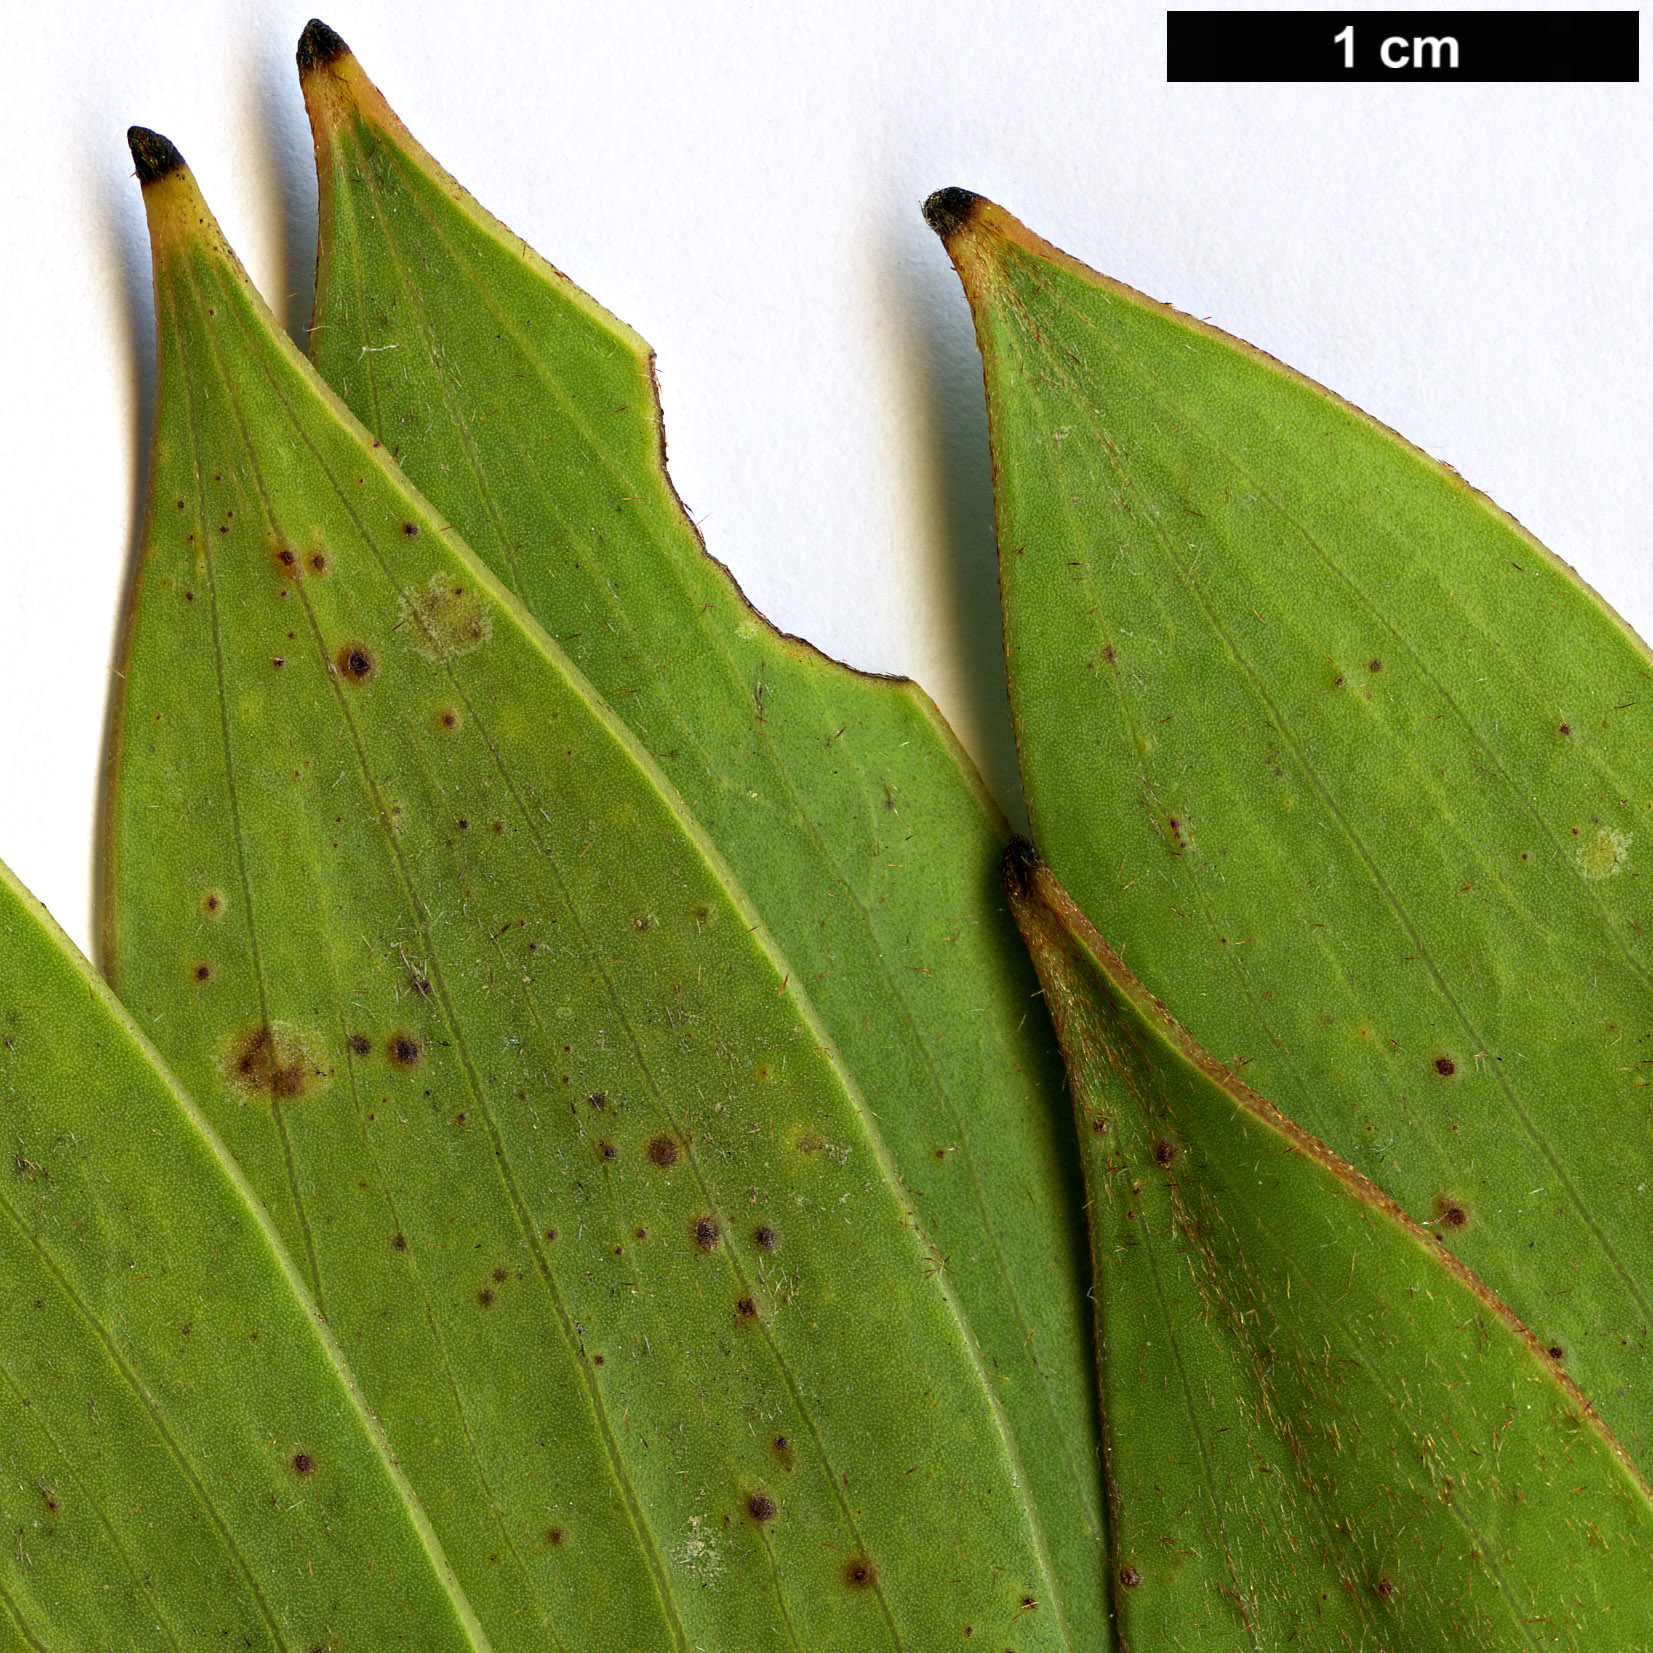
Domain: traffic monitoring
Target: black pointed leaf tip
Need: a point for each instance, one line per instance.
(319, 46)
(1020, 867)
(154, 156)
(949, 210)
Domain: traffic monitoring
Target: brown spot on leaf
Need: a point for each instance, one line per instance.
(1130, 1575)
(785, 1455)
(272, 1062)
(212, 903)
(404, 1050)
(859, 1573)
(355, 661)
(764, 1237)
(360, 1044)
(1451, 1212)
(705, 1233)
(303, 1464)
(1445, 1066)
(318, 563)
(760, 1506)
(201, 972)
(662, 1151)
(398, 1242)
(1164, 1151)
(486, 1297)
(746, 1309)
(609, 1152)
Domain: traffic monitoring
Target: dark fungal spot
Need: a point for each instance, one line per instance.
(411, 529)
(640, 1234)
(501, 1276)
(202, 972)
(859, 1573)
(662, 1151)
(1019, 868)
(609, 1152)
(760, 1506)
(419, 981)
(286, 556)
(1130, 1575)
(486, 1297)
(447, 719)
(1445, 1066)
(1164, 1151)
(785, 1455)
(597, 1099)
(1101, 1126)
(555, 1537)
(318, 563)
(746, 1309)
(49, 1497)
(1385, 1588)
(360, 1044)
(212, 903)
(398, 1242)
(403, 1049)
(277, 661)
(1374, 665)
(1028, 1604)
(1565, 729)
(355, 661)
(1108, 655)
(765, 1237)
(303, 1464)
(1556, 1352)
(705, 1233)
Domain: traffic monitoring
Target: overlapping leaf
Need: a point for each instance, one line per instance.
(571, 1165)
(183, 1458)
(843, 803)
(1350, 769)
(1321, 1430)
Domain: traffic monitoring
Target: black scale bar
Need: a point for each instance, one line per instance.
(1402, 45)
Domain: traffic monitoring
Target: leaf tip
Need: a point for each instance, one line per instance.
(949, 210)
(154, 156)
(319, 47)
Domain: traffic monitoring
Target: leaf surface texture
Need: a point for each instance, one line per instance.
(1321, 1430)
(184, 1460)
(1349, 768)
(842, 802)
(566, 1155)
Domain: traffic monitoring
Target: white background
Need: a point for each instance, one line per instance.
(741, 182)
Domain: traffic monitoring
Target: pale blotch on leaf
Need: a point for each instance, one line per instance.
(272, 1062)
(1604, 854)
(444, 618)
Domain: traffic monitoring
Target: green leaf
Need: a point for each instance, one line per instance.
(842, 802)
(572, 1167)
(1348, 767)
(1321, 1429)
(183, 1455)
